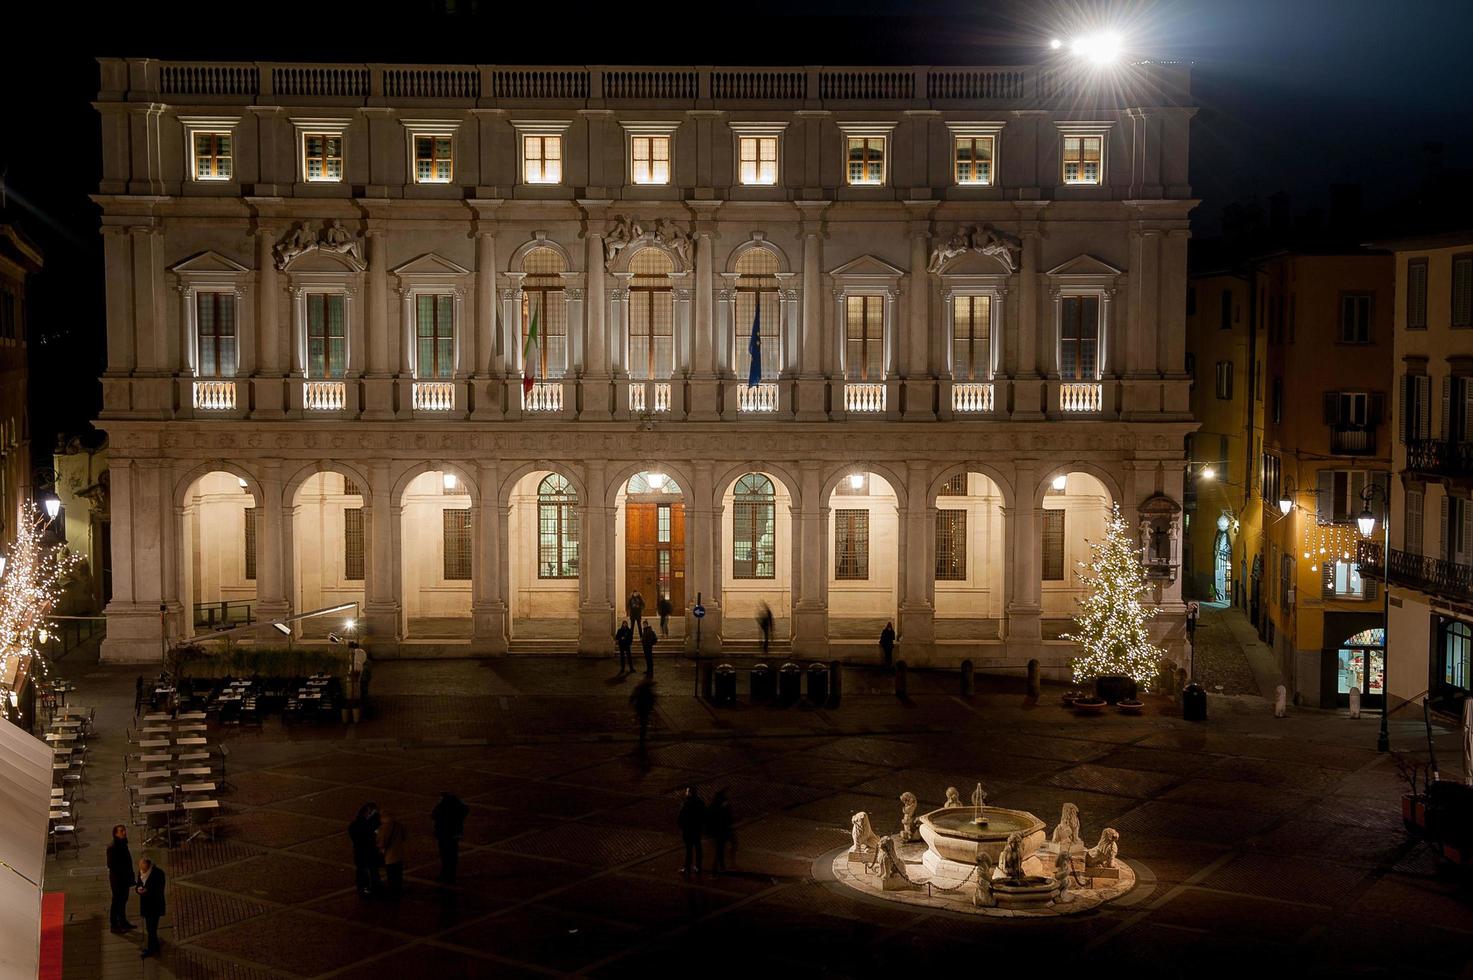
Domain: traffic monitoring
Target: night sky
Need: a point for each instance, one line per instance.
(1294, 95)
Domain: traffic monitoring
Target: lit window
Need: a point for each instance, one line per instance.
(213, 156)
(543, 298)
(435, 330)
(557, 528)
(215, 333)
(650, 159)
(973, 160)
(951, 545)
(851, 545)
(433, 159)
(753, 522)
(1079, 338)
(542, 159)
(353, 544)
(866, 159)
(322, 155)
(651, 317)
(971, 356)
(457, 545)
(758, 159)
(1082, 155)
(327, 336)
(864, 332)
(757, 286)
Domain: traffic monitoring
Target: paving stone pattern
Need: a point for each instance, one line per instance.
(1270, 844)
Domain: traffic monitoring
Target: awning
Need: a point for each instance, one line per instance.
(25, 803)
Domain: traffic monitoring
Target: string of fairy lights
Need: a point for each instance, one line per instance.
(33, 572)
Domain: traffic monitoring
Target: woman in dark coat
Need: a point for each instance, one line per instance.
(363, 832)
(121, 875)
(692, 821)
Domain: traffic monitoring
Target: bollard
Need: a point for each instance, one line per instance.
(1035, 679)
(707, 671)
(1355, 702)
(969, 681)
(1281, 701)
(834, 676)
(900, 678)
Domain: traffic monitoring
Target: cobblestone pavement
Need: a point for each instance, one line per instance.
(1272, 843)
(1218, 661)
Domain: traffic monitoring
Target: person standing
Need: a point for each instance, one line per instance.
(363, 833)
(718, 824)
(764, 623)
(120, 875)
(138, 696)
(150, 887)
(624, 639)
(663, 606)
(636, 609)
(692, 821)
(887, 643)
(449, 820)
(642, 698)
(649, 639)
(391, 835)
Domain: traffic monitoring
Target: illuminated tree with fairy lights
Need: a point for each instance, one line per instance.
(1113, 624)
(32, 574)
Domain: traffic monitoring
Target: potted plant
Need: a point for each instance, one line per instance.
(1413, 803)
(1130, 706)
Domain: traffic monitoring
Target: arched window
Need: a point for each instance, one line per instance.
(1457, 655)
(757, 288)
(557, 528)
(753, 527)
(651, 317)
(542, 294)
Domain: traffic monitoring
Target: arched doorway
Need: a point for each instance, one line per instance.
(864, 565)
(1361, 663)
(218, 536)
(437, 543)
(1222, 561)
(544, 557)
(649, 538)
(329, 554)
(970, 558)
(756, 558)
(1076, 510)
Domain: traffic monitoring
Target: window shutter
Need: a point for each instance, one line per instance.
(1411, 532)
(1424, 407)
(1467, 386)
(1376, 409)
(1327, 577)
(1444, 547)
(1465, 543)
(1408, 390)
(1368, 588)
(1332, 407)
(1355, 504)
(1447, 400)
(1324, 496)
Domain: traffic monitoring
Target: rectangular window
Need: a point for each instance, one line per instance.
(1082, 159)
(1462, 289)
(457, 545)
(851, 545)
(1224, 460)
(213, 156)
(954, 487)
(8, 328)
(1079, 338)
(251, 515)
(1226, 313)
(1224, 379)
(1417, 294)
(1353, 408)
(542, 159)
(327, 336)
(1355, 318)
(322, 155)
(662, 524)
(433, 159)
(754, 546)
(1276, 400)
(353, 544)
(1053, 545)
(973, 160)
(864, 332)
(758, 157)
(866, 159)
(435, 330)
(1342, 580)
(1272, 467)
(971, 326)
(651, 329)
(215, 334)
(1412, 528)
(650, 159)
(1416, 407)
(351, 489)
(951, 546)
(1339, 495)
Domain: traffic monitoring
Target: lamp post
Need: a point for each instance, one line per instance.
(1367, 523)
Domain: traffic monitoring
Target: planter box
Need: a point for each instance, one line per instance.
(1115, 688)
(1414, 814)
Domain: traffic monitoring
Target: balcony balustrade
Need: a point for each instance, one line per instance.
(545, 396)
(324, 396)
(864, 397)
(1077, 397)
(760, 398)
(1425, 573)
(214, 396)
(1353, 440)
(434, 396)
(649, 396)
(1442, 457)
(971, 397)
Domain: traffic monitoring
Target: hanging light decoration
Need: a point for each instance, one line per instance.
(35, 573)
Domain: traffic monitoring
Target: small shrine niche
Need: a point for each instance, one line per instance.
(1160, 524)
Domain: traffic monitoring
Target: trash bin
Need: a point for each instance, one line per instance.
(818, 683)
(1194, 703)
(763, 683)
(789, 683)
(725, 684)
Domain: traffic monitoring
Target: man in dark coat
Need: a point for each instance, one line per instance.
(449, 820)
(691, 820)
(363, 832)
(887, 643)
(150, 903)
(121, 876)
(764, 623)
(663, 607)
(649, 639)
(636, 608)
(624, 639)
(642, 699)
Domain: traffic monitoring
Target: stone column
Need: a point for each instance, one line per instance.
(916, 367)
(1022, 523)
(1027, 389)
(703, 405)
(917, 624)
(378, 384)
(272, 601)
(811, 382)
(810, 566)
(596, 390)
(488, 609)
(135, 629)
(1172, 339)
(486, 367)
(703, 555)
(268, 387)
(382, 607)
(595, 607)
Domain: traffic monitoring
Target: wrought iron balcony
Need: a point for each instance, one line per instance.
(1353, 440)
(1425, 573)
(1440, 456)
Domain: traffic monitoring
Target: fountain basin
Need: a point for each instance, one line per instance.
(1030, 891)
(953, 841)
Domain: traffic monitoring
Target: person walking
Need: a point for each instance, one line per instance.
(636, 608)
(887, 643)
(649, 639)
(692, 821)
(624, 639)
(390, 839)
(138, 696)
(718, 825)
(150, 887)
(363, 833)
(663, 606)
(448, 817)
(120, 875)
(642, 698)
(764, 623)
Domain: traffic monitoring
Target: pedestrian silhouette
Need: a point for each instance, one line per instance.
(692, 820)
(764, 623)
(636, 608)
(448, 817)
(363, 833)
(887, 643)
(649, 639)
(718, 825)
(150, 888)
(643, 700)
(624, 639)
(663, 607)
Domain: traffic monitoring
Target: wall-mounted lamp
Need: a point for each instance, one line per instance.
(1060, 482)
(856, 480)
(448, 480)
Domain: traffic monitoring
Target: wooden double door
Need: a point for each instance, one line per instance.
(654, 552)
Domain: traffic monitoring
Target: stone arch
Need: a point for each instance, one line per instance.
(1111, 484)
(301, 476)
(724, 480)
(539, 240)
(183, 485)
(758, 241)
(986, 469)
(406, 477)
(619, 476)
(896, 481)
(212, 574)
(562, 468)
(625, 256)
(308, 572)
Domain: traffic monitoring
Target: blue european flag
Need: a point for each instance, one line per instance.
(754, 348)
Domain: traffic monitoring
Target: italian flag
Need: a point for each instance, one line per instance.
(529, 356)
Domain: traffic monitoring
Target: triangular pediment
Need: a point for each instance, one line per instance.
(209, 262)
(1085, 265)
(867, 265)
(431, 264)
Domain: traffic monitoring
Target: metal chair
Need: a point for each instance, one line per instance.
(60, 833)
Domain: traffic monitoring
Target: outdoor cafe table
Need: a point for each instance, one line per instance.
(154, 743)
(156, 716)
(74, 711)
(191, 716)
(67, 723)
(191, 740)
(157, 730)
(197, 788)
(193, 757)
(149, 774)
(194, 771)
(156, 757)
(60, 736)
(59, 815)
(161, 790)
(189, 728)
